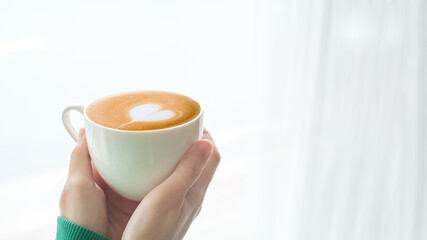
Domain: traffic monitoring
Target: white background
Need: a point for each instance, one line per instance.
(55, 54)
(318, 107)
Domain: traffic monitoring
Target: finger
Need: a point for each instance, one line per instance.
(197, 212)
(207, 136)
(80, 168)
(188, 222)
(188, 169)
(97, 178)
(198, 190)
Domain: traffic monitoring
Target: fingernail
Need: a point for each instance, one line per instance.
(205, 148)
(81, 132)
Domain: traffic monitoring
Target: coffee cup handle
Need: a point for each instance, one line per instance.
(67, 122)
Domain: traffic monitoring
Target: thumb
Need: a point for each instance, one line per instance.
(188, 169)
(80, 167)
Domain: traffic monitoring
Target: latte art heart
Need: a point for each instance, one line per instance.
(143, 110)
(149, 113)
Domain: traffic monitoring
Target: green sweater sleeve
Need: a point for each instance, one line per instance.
(67, 230)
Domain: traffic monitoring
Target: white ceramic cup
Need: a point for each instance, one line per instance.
(134, 162)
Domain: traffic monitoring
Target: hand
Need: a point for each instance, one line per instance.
(167, 211)
(88, 201)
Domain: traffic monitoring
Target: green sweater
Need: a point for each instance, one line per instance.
(67, 230)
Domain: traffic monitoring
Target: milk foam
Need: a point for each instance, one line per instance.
(150, 113)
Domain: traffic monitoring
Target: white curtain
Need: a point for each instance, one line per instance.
(345, 111)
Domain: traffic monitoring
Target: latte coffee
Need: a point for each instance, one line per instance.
(129, 157)
(143, 110)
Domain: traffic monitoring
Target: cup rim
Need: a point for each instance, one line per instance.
(142, 131)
